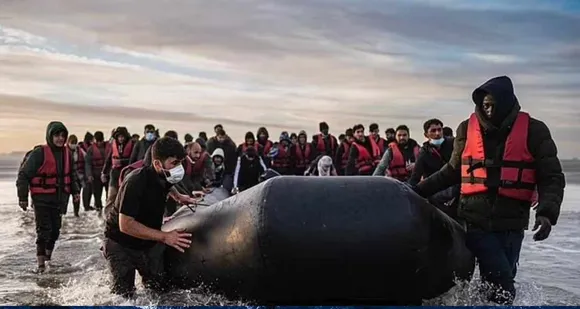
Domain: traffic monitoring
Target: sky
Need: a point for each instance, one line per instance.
(187, 64)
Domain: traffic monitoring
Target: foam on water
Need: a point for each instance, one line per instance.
(548, 272)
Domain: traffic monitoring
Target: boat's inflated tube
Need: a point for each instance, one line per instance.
(322, 240)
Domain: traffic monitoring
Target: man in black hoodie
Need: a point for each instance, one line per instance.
(142, 145)
(48, 174)
(500, 156)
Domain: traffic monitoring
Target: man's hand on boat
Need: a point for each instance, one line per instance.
(177, 239)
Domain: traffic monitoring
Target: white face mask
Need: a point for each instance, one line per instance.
(73, 146)
(437, 142)
(175, 174)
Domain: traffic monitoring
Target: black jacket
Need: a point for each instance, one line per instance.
(229, 148)
(34, 162)
(489, 211)
(140, 149)
(430, 160)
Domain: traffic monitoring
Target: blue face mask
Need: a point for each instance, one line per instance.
(437, 142)
(149, 136)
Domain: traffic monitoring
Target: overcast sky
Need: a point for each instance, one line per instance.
(187, 64)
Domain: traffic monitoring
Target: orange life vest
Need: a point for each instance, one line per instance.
(46, 179)
(267, 146)
(321, 147)
(80, 163)
(98, 160)
(121, 159)
(302, 157)
(128, 169)
(398, 167)
(381, 144)
(282, 160)
(345, 154)
(517, 170)
(197, 168)
(366, 162)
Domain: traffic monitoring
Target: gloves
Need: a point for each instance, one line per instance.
(545, 227)
(23, 205)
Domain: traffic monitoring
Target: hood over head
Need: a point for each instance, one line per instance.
(324, 166)
(88, 138)
(263, 130)
(502, 89)
(249, 135)
(53, 128)
(218, 152)
(122, 131)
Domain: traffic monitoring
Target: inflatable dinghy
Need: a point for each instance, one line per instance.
(295, 240)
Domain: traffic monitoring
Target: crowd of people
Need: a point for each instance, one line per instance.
(485, 177)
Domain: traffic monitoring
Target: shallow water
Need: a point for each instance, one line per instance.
(548, 272)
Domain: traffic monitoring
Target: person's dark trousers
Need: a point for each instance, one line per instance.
(123, 262)
(228, 182)
(97, 190)
(48, 223)
(87, 194)
(497, 254)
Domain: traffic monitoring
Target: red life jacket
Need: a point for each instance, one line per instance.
(128, 169)
(46, 179)
(302, 157)
(98, 160)
(85, 146)
(282, 160)
(345, 154)
(366, 162)
(398, 167)
(245, 147)
(80, 163)
(517, 174)
(267, 146)
(121, 159)
(197, 168)
(321, 147)
(381, 144)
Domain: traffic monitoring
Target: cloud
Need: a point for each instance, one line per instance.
(294, 63)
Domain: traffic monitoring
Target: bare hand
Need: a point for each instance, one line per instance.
(206, 190)
(23, 205)
(410, 167)
(103, 178)
(198, 195)
(545, 228)
(177, 239)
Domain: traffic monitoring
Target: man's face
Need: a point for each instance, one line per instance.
(221, 138)
(99, 144)
(390, 135)
(324, 131)
(294, 140)
(350, 139)
(402, 137)
(250, 141)
(302, 139)
(262, 136)
(168, 164)
(194, 151)
(121, 139)
(216, 129)
(488, 105)
(72, 145)
(59, 139)
(375, 133)
(435, 131)
(359, 134)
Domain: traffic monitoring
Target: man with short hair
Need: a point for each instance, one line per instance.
(399, 159)
(364, 154)
(143, 144)
(133, 227)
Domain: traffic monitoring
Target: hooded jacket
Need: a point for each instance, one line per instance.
(229, 149)
(34, 162)
(490, 211)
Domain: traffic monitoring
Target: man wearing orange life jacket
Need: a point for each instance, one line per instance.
(265, 142)
(342, 153)
(280, 155)
(364, 154)
(501, 155)
(78, 155)
(301, 154)
(48, 174)
(94, 163)
(117, 159)
(374, 133)
(399, 159)
(324, 142)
